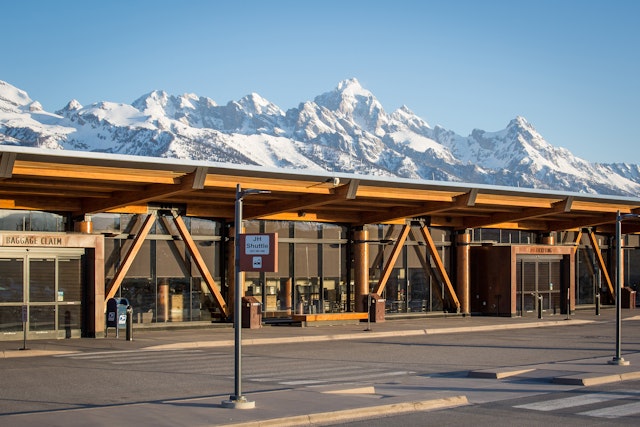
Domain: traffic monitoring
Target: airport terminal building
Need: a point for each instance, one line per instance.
(77, 229)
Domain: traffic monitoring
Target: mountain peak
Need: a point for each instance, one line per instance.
(343, 130)
(520, 123)
(255, 104)
(351, 86)
(11, 97)
(73, 105)
(350, 101)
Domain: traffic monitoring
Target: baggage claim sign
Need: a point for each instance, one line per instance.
(259, 252)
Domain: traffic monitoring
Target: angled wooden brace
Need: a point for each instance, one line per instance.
(202, 266)
(395, 253)
(130, 256)
(439, 265)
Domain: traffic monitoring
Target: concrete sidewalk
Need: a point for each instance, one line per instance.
(324, 405)
(222, 335)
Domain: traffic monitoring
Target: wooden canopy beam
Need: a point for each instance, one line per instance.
(592, 220)
(7, 161)
(563, 206)
(338, 194)
(188, 183)
(424, 209)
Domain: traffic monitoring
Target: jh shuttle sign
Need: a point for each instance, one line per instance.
(259, 252)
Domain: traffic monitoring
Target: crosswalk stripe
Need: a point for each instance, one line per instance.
(302, 382)
(570, 402)
(316, 372)
(106, 355)
(615, 411)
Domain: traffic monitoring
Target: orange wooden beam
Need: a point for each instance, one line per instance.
(439, 265)
(130, 256)
(202, 266)
(601, 264)
(395, 253)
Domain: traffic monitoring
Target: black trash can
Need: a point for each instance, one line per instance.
(377, 307)
(117, 313)
(251, 313)
(628, 298)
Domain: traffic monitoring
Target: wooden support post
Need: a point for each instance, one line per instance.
(463, 279)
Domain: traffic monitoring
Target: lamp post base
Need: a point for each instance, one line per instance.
(241, 402)
(619, 361)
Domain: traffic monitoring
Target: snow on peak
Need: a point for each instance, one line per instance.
(352, 102)
(520, 123)
(153, 102)
(117, 114)
(74, 104)
(254, 104)
(352, 87)
(405, 115)
(12, 98)
(71, 108)
(35, 106)
(345, 130)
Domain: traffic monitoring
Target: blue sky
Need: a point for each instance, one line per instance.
(570, 67)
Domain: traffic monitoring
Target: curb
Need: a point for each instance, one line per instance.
(406, 333)
(323, 418)
(595, 379)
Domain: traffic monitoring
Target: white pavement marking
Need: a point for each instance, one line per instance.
(570, 402)
(615, 411)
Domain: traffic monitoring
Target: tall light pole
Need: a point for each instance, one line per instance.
(237, 400)
(618, 359)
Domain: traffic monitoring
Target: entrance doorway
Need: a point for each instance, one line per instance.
(538, 281)
(45, 285)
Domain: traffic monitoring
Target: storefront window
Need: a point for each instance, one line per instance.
(164, 282)
(30, 221)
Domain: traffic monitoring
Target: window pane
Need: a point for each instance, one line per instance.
(42, 280)
(69, 280)
(11, 284)
(10, 319)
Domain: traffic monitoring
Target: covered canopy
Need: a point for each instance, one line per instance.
(81, 183)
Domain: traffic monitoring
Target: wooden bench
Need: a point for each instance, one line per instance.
(329, 318)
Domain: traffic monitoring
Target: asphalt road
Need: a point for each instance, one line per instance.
(610, 405)
(115, 377)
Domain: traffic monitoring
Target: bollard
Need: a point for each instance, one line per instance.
(597, 304)
(540, 307)
(368, 312)
(129, 323)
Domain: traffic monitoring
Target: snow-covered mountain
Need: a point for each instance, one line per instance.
(344, 130)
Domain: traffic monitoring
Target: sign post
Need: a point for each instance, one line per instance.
(25, 317)
(237, 400)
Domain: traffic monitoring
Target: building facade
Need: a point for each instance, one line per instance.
(79, 229)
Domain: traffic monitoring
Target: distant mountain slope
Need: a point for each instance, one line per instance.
(345, 130)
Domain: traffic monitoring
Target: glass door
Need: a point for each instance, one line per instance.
(42, 296)
(49, 286)
(11, 296)
(538, 277)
